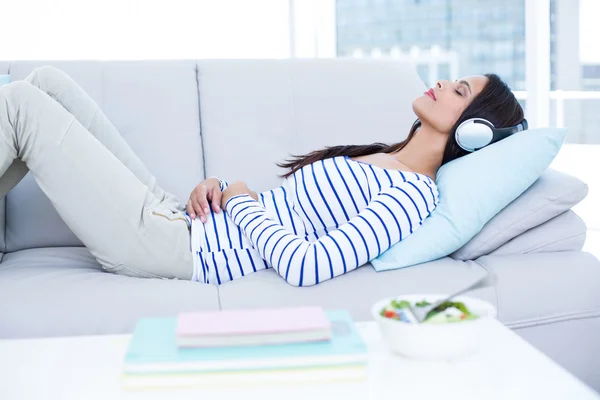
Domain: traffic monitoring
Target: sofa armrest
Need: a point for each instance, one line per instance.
(565, 232)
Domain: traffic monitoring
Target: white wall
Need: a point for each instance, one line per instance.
(144, 29)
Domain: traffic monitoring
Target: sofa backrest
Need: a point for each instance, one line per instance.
(4, 68)
(154, 104)
(255, 113)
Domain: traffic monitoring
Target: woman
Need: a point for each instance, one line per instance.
(336, 209)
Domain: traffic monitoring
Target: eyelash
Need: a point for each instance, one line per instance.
(457, 92)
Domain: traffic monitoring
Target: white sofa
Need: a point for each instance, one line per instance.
(235, 119)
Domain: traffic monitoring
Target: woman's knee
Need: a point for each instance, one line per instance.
(24, 103)
(43, 75)
(18, 91)
(14, 97)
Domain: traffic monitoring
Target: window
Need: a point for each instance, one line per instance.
(575, 68)
(466, 36)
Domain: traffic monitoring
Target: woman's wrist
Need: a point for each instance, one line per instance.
(233, 200)
(223, 184)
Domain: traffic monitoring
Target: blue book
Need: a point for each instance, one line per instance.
(153, 349)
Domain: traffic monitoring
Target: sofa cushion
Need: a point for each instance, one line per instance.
(541, 288)
(154, 105)
(565, 232)
(2, 224)
(258, 113)
(64, 292)
(3, 70)
(356, 291)
(552, 194)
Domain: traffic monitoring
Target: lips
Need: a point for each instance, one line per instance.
(431, 94)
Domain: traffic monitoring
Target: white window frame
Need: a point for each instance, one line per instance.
(312, 25)
(537, 62)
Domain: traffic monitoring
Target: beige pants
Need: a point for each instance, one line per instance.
(100, 188)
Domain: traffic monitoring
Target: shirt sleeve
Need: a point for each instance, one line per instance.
(224, 185)
(390, 216)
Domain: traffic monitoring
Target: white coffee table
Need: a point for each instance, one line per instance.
(89, 368)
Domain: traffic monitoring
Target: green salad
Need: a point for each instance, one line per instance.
(447, 312)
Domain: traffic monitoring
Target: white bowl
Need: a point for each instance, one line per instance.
(435, 341)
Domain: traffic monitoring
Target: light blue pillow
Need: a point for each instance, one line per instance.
(4, 79)
(473, 189)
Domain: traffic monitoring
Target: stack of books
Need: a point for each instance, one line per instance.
(229, 348)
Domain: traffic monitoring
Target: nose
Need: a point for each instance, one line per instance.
(439, 84)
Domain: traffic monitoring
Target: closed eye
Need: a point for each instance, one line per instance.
(457, 92)
(465, 83)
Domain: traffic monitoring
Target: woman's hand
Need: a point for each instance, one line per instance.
(235, 189)
(207, 190)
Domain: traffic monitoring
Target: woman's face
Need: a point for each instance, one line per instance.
(441, 106)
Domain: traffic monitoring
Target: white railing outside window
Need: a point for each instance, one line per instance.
(560, 96)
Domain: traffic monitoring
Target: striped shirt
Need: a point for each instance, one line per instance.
(328, 218)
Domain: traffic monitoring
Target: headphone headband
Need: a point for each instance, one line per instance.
(522, 126)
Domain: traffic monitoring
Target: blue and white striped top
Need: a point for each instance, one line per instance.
(328, 218)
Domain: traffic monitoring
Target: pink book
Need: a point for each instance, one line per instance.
(252, 327)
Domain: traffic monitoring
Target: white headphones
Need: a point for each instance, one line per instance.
(476, 133)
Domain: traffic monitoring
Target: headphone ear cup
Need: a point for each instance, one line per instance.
(474, 134)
